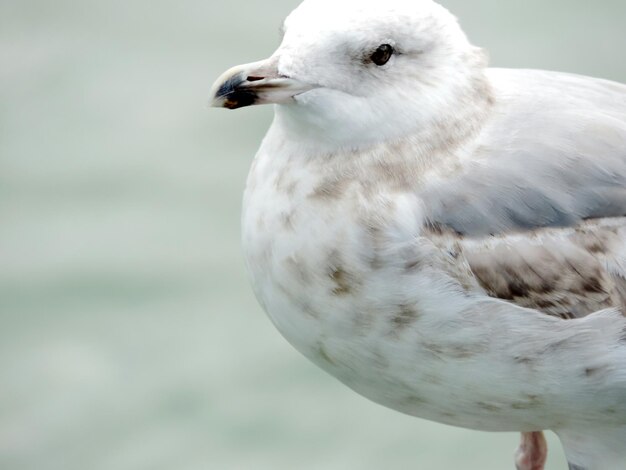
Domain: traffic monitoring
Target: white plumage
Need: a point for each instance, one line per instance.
(447, 240)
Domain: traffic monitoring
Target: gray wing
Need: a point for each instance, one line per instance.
(554, 154)
(538, 211)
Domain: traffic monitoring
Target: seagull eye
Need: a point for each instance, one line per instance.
(382, 55)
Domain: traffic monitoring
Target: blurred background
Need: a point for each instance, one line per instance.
(130, 339)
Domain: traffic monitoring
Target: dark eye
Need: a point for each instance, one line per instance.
(382, 55)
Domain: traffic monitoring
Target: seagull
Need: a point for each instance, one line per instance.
(446, 239)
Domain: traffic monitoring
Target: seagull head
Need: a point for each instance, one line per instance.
(359, 71)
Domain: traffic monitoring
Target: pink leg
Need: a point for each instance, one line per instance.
(532, 451)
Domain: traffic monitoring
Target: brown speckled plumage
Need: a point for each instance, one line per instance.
(564, 274)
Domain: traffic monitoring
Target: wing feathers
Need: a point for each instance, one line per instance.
(568, 273)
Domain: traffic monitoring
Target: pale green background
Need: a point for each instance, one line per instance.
(130, 339)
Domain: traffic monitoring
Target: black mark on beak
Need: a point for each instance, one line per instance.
(234, 95)
(240, 99)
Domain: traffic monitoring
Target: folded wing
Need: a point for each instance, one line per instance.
(539, 209)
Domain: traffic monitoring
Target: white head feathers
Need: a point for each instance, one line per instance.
(330, 43)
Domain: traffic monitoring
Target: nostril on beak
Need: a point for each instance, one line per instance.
(253, 78)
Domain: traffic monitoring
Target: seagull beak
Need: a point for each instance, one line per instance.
(256, 83)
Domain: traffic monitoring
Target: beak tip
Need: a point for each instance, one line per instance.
(227, 92)
(234, 100)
